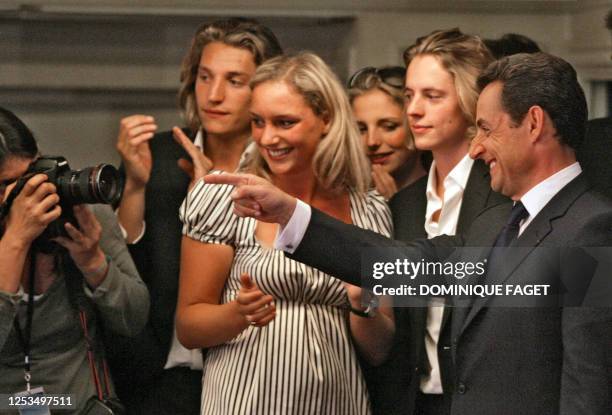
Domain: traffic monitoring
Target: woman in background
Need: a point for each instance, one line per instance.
(377, 99)
(278, 332)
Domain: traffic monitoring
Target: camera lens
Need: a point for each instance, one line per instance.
(100, 184)
(106, 183)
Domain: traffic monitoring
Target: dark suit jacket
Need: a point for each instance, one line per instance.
(137, 362)
(393, 386)
(595, 154)
(528, 361)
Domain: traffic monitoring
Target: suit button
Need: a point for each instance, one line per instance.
(455, 341)
(461, 388)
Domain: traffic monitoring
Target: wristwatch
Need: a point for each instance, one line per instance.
(371, 307)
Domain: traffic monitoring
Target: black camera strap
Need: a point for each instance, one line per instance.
(25, 337)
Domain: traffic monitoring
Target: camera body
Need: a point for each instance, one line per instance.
(99, 184)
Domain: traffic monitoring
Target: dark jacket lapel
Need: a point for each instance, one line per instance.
(533, 235)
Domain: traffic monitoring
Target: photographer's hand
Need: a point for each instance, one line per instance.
(84, 246)
(32, 210)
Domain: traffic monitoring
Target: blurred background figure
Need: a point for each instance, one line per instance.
(56, 291)
(279, 334)
(377, 99)
(595, 152)
(510, 44)
(154, 373)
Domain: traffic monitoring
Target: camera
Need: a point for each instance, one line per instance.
(99, 184)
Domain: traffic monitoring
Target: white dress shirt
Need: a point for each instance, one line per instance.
(179, 355)
(538, 196)
(449, 206)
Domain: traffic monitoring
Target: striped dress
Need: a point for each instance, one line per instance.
(303, 362)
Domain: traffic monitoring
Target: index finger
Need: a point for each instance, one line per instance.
(185, 142)
(227, 178)
(84, 216)
(137, 119)
(33, 183)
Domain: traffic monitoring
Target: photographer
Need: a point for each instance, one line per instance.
(86, 274)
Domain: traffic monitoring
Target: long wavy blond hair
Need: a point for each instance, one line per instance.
(339, 162)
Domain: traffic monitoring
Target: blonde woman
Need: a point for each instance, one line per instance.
(377, 99)
(280, 334)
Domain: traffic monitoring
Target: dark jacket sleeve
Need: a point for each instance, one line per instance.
(337, 248)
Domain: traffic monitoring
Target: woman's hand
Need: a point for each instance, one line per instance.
(384, 182)
(84, 245)
(34, 208)
(256, 307)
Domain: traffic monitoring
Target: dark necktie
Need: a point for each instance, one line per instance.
(508, 234)
(511, 230)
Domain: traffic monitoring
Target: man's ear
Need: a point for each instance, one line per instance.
(535, 120)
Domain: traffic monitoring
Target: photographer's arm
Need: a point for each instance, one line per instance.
(12, 258)
(32, 210)
(122, 299)
(99, 251)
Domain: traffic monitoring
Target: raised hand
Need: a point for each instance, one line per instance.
(135, 132)
(384, 182)
(256, 306)
(199, 165)
(34, 208)
(257, 198)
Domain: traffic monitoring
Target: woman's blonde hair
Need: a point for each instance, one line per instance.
(237, 32)
(464, 57)
(339, 162)
(389, 80)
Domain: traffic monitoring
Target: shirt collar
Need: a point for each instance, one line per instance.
(538, 196)
(244, 158)
(199, 140)
(459, 175)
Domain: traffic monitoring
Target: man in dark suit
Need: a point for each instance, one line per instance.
(154, 373)
(543, 360)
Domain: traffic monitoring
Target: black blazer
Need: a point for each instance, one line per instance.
(393, 386)
(137, 361)
(595, 154)
(507, 361)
